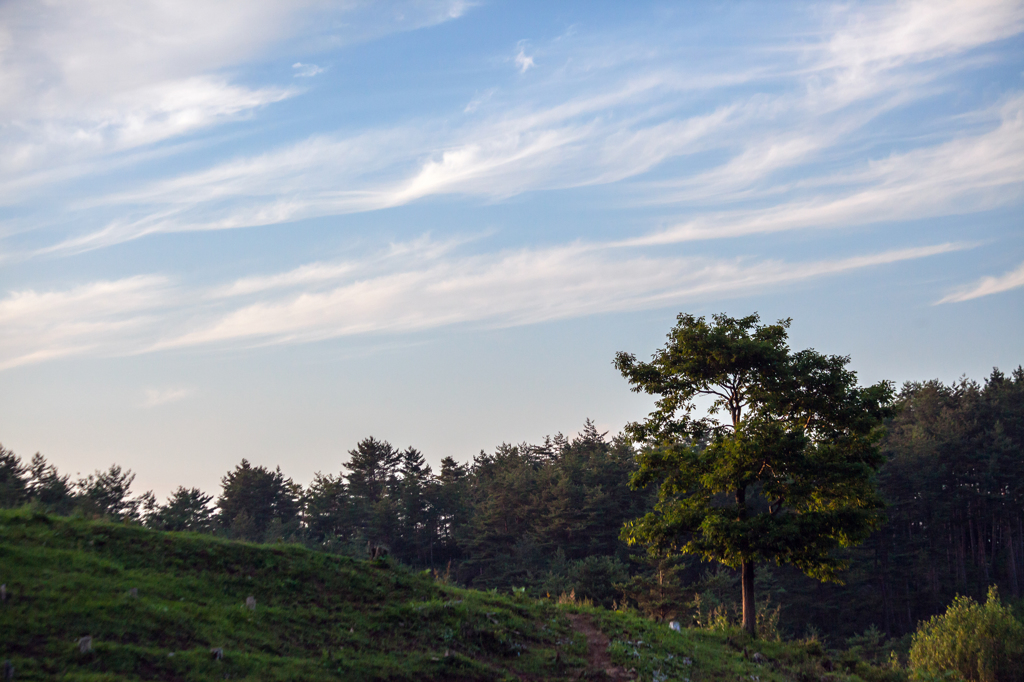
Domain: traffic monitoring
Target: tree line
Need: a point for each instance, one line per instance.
(537, 515)
(548, 516)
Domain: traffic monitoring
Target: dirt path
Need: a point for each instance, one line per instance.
(597, 648)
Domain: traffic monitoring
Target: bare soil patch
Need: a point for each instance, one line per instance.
(598, 660)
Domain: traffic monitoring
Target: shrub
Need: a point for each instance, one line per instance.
(975, 642)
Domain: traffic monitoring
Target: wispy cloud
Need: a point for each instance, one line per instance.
(711, 150)
(475, 103)
(412, 286)
(648, 128)
(99, 318)
(884, 36)
(986, 286)
(880, 48)
(306, 70)
(962, 176)
(516, 288)
(523, 61)
(89, 77)
(86, 79)
(162, 396)
(567, 145)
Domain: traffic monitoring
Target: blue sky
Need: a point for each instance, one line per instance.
(268, 229)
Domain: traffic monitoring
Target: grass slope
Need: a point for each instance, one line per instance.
(322, 617)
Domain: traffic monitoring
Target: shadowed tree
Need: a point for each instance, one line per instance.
(418, 518)
(187, 509)
(13, 490)
(327, 511)
(449, 499)
(955, 483)
(373, 469)
(786, 477)
(106, 493)
(252, 498)
(48, 488)
(373, 485)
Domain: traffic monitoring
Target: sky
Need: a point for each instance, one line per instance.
(271, 229)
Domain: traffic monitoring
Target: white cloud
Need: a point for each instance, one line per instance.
(888, 35)
(457, 8)
(567, 145)
(86, 78)
(523, 61)
(514, 288)
(475, 103)
(961, 176)
(872, 42)
(571, 129)
(100, 318)
(986, 286)
(306, 70)
(163, 396)
(413, 286)
(313, 273)
(32, 153)
(169, 109)
(78, 77)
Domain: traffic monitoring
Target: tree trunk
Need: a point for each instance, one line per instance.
(961, 554)
(749, 614)
(1014, 585)
(746, 571)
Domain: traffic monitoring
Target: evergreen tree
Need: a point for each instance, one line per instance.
(328, 512)
(13, 489)
(499, 541)
(107, 493)
(954, 481)
(418, 518)
(48, 488)
(450, 502)
(373, 469)
(186, 509)
(252, 498)
(657, 592)
(373, 483)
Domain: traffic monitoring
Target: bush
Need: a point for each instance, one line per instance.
(979, 643)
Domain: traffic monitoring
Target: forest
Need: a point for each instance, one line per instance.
(547, 518)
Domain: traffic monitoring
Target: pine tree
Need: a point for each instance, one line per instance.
(13, 489)
(48, 488)
(328, 511)
(373, 484)
(186, 509)
(253, 497)
(107, 493)
(418, 518)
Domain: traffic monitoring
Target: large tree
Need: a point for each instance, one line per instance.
(787, 476)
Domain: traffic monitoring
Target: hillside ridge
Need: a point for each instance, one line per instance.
(177, 606)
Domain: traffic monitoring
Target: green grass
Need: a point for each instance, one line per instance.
(317, 617)
(656, 652)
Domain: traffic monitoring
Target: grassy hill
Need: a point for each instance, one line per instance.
(172, 606)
